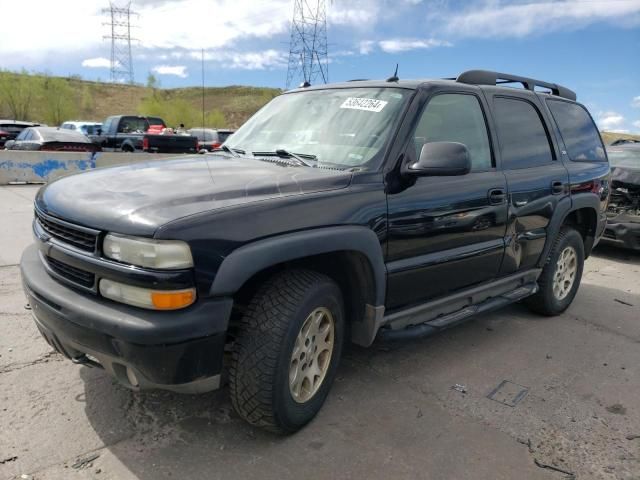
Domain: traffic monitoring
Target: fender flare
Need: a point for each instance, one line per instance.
(244, 262)
(562, 211)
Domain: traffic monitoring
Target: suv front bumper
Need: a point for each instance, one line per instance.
(180, 350)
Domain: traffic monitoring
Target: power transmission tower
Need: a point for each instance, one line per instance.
(119, 17)
(308, 57)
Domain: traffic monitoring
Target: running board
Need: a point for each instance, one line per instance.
(388, 334)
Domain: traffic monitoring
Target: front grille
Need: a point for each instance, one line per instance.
(73, 274)
(67, 233)
(609, 234)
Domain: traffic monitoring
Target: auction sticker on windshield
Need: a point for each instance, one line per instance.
(368, 104)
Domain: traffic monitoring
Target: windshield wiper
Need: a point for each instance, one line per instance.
(282, 153)
(235, 152)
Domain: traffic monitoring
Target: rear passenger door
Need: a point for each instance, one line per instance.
(536, 179)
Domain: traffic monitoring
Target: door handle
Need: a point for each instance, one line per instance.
(557, 187)
(497, 196)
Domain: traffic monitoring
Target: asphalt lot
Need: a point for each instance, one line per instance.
(392, 412)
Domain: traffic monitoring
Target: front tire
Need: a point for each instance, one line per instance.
(287, 350)
(561, 275)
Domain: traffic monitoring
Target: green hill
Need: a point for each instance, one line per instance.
(53, 100)
(609, 137)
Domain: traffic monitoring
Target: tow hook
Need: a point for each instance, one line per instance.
(84, 360)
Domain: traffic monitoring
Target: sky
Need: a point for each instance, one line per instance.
(590, 46)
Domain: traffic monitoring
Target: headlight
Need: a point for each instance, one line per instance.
(160, 254)
(147, 298)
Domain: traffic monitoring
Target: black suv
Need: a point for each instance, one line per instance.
(356, 211)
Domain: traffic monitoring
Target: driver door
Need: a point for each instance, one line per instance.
(447, 232)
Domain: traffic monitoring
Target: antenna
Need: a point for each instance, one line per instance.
(308, 55)
(395, 76)
(119, 22)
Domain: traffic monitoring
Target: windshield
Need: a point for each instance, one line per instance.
(625, 158)
(341, 127)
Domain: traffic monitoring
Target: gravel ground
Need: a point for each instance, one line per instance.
(419, 410)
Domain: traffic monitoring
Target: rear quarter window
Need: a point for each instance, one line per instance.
(579, 133)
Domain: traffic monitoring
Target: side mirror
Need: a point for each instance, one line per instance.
(9, 144)
(441, 159)
(99, 131)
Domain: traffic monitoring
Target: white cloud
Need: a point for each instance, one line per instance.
(399, 45)
(366, 47)
(402, 45)
(610, 121)
(636, 102)
(636, 124)
(177, 70)
(499, 18)
(97, 62)
(256, 60)
(361, 14)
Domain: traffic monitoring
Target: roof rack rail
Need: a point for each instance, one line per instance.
(486, 77)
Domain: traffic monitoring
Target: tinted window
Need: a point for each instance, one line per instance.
(106, 125)
(133, 125)
(202, 135)
(456, 118)
(523, 138)
(23, 134)
(578, 131)
(156, 121)
(222, 136)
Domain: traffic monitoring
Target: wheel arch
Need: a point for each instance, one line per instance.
(351, 255)
(128, 146)
(578, 211)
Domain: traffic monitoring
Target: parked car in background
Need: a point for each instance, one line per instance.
(86, 128)
(11, 129)
(4, 136)
(209, 138)
(130, 133)
(52, 139)
(624, 141)
(623, 213)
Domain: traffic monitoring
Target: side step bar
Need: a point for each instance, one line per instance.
(388, 334)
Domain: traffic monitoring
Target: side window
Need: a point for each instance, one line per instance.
(578, 131)
(456, 117)
(524, 141)
(23, 134)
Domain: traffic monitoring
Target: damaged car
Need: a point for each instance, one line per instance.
(623, 213)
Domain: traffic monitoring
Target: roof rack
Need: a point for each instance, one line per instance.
(486, 77)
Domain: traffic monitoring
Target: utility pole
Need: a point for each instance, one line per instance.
(119, 22)
(308, 55)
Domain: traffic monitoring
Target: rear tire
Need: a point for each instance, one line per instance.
(287, 351)
(561, 275)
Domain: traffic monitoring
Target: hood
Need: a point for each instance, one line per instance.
(137, 199)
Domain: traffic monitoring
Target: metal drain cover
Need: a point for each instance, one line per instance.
(508, 393)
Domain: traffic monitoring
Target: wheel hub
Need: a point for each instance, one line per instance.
(565, 273)
(311, 354)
